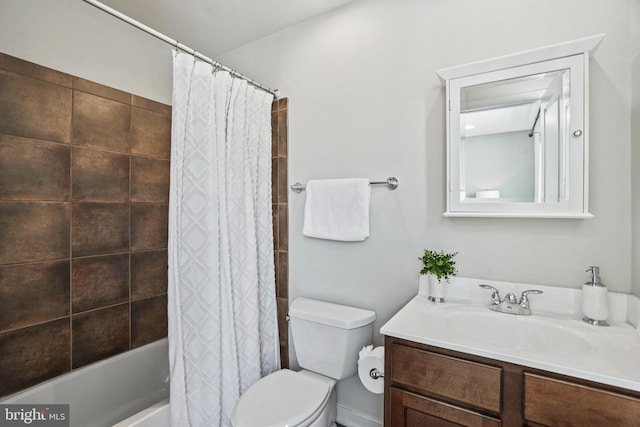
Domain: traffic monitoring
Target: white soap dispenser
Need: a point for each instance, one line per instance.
(595, 302)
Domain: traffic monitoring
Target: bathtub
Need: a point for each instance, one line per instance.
(154, 416)
(131, 386)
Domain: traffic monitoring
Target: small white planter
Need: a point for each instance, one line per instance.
(436, 289)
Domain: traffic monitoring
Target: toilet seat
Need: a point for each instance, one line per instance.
(284, 398)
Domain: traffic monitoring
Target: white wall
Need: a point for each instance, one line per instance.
(635, 143)
(364, 100)
(73, 37)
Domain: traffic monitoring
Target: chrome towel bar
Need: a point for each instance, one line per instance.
(391, 183)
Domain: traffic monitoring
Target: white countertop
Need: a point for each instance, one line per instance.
(555, 342)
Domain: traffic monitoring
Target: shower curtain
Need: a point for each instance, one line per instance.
(223, 333)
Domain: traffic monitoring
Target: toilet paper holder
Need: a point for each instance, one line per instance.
(376, 374)
(371, 368)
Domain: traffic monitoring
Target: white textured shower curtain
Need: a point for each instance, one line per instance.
(223, 333)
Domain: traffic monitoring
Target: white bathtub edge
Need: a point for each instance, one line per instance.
(156, 415)
(106, 391)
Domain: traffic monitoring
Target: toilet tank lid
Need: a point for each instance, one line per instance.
(327, 313)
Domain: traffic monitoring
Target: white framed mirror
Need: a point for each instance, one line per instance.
(517, 134)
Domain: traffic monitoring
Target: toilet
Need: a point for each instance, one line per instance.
(327, 338)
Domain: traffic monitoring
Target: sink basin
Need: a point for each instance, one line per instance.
(523, 333)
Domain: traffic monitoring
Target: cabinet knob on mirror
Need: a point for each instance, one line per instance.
(577, 133)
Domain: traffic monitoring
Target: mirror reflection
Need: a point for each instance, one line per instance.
(514, 139)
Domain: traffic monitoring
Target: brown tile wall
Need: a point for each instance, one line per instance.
(84, 193)
(280, 219)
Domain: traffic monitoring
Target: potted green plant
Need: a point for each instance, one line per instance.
(436, 268)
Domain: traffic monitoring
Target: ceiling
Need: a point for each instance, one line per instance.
(213, 27)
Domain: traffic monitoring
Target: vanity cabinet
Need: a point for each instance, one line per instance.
(431, 386)
(413, 410)
(552, 402)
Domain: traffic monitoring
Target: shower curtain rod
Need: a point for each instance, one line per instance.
(177, 44)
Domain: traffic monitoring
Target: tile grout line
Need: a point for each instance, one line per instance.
(71, 233)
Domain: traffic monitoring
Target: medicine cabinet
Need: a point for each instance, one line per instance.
(517, 133)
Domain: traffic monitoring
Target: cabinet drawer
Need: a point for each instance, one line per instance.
(466, 382)
(558, 403)
(410, 410)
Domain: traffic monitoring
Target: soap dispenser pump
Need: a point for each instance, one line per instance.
(595, 301)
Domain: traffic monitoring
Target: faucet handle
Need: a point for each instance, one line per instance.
(495, 296)
(524, 299)
(532, 292)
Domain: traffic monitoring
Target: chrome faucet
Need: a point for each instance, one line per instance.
(510, 303)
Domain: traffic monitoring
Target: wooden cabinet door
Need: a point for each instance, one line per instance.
(413, 410)
(555, 403)
(451, 378)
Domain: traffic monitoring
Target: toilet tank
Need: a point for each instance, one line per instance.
(327, 337)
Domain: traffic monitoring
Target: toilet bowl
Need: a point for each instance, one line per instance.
(286, 398)
(327, 338)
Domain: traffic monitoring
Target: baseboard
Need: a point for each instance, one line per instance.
(351, 418)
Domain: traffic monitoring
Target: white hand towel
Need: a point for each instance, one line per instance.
(337, 209)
